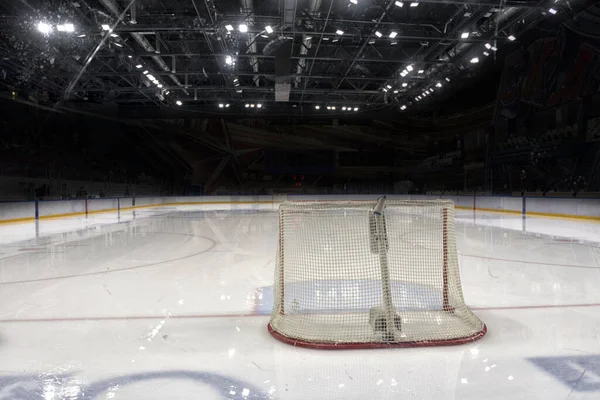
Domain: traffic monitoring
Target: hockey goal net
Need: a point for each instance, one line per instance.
(365, 274)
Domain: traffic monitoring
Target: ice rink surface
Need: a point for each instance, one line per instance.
(161, 304)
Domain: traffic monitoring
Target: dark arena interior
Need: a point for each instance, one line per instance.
(208, 168)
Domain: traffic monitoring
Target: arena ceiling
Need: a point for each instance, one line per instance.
(196, 58)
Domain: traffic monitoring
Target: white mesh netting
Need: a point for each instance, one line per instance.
(346, 277)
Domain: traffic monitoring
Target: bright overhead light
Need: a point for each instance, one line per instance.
(44, 28)
(393, 43)
(178, 102)
(403, 108)
(378, 34)
(114, 35)
(464, 35)
(421, 71)
(333, 107)
(439, 84)
(65, 28)
(151, 77)
(409, 68)
(396, 91)
(414, 4)
(494, 48)
(388, 86)
(251, 105)
(399, 4)
(328, 107)
(355, 108)
(404, 84)
(235, 79)
(417, 98)
(167, 92)
(247, 105)
(552, 11)
(227, 105)
(512, 38)
(317, 107)
(384, 89)
(474, 60)
(447, 79)
(145, 72)
(488, 46)
(339, 32)
(269, 29)
(159, 86)
(82, 35)
(138, 66)
(118, 44)
(371, 41)
(228, 60)
(229, 27)
(403, 74)
(221, 105)
(243, 28)
(485, 53)
(393, 34)
(354, 1)
(129, 56)
(343, 108)
(259, 105)
(105, 27)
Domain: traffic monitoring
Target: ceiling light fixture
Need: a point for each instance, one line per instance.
(355, 108)
(159, 86)
(396, 91)
(138, 66)
(393, 43)
(354, 1)
(464, 35)
(221, 105)
(178, 102)
(439, 84)
(485, 53)
(447, 79)
(105, 27)
(393, 34)
(269, 29)
(399, 4)
(243, 28)
(404, 84)
(378, 34)
(333, 107)
(259, 105)
(114, 35)
(494, 48)
(118, 44)
(343, 108)
(228, 60)
(339, 32)
(227, 105)
(409, 68)
(474, 60)
(317, 107)
(414, 4)
(251, 105)
(388, 86)
(229, 27)
(403, 108)
(421, 71)
(488, 46)
(247, 105)
(66, 28)
(552, 11)
(145, 72)
(512, 38)
(151, 77)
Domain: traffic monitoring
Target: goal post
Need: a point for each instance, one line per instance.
(368, 274)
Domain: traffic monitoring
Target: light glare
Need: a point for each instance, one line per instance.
(269, 29)
(393, 34)
(44, 28)
(243, 28)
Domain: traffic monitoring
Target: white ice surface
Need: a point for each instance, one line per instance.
(159, 304)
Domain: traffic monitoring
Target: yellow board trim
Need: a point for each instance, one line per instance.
(17, 220)
(494, 210)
